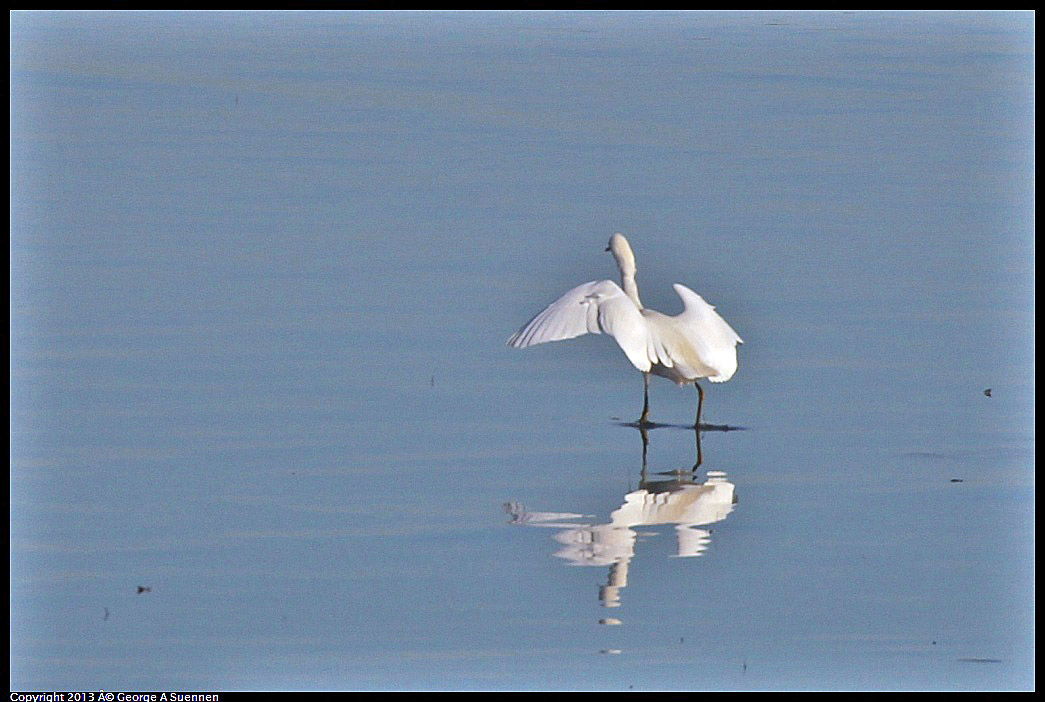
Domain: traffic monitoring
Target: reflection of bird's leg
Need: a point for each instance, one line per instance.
(645, 446)
(700, 403)
(644, 419)
(700, 454)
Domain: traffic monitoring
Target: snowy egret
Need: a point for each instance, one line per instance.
(697, 343)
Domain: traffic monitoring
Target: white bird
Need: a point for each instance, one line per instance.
(695, 344)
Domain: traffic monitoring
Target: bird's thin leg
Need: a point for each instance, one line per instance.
(644, 419)
(700, 403)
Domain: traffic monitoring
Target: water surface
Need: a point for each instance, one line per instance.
(262, 271)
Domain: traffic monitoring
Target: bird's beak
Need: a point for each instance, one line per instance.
(607, 248)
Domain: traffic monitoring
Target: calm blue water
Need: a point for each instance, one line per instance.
(262, 271)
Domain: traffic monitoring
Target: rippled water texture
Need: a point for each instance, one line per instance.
(266, 432)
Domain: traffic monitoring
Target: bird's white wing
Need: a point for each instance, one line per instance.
(711, 336)
(595, 307)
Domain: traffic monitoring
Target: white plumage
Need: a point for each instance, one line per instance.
(697, 343)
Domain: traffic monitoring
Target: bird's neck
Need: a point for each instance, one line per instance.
(631, 288)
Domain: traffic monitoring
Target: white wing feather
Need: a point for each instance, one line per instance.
(713, 339)
(595, 307)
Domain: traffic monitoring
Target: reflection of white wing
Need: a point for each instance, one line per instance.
(602, 544)
(690, 505)
(687, 507)
(595, 307)
(692, 541)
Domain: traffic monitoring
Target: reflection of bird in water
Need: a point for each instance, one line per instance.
(686, 505)
(679, 500)
(695, 344)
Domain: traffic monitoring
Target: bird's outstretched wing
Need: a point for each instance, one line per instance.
(595, 307)
(711, 336)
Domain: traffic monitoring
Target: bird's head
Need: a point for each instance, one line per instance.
(622, 252)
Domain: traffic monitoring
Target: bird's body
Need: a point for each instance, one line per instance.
(697, 343)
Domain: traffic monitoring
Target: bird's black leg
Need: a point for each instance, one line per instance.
(644, 419)
(700, 403)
